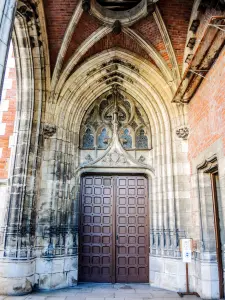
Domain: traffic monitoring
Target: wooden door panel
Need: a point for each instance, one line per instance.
(96, 257)
(132, 240)
(114, 239)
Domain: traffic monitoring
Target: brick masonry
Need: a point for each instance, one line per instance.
(58, 14)
(176, 15)
(7, 115)
(207, 110)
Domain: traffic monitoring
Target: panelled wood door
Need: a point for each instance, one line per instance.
(114, 234)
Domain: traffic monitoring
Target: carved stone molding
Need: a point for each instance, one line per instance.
(115, 158)
(183, 133)
(49, 130)
(209, 165)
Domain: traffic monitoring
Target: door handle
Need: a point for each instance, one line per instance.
(117, 237)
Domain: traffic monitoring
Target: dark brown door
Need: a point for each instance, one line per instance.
(114, 238)
(131, 229)
(96, 231)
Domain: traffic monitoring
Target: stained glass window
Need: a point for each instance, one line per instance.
(132, 122)
(126, 139)
(88, 139)
(141, 140)
(103, 139)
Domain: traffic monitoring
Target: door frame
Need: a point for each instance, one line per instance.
(208, 201)
(217, 229)
(149, 175)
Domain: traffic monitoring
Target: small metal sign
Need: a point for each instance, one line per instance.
(186, 249)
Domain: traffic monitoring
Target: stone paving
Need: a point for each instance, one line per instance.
(94, 291)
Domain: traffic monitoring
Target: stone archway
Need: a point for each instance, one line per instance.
(17, 240)
(60, 187)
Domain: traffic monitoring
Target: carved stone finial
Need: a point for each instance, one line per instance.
(48, 130)
(183, 133)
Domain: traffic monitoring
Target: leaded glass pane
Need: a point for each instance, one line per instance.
(88, 139)
(141, 140)
(103, 139)
(126, 139)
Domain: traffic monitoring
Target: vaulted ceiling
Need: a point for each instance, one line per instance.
(165, 34)
(174, 14)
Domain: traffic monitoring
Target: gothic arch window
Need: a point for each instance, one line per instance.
(133, 124)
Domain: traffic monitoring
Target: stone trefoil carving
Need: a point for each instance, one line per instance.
(183, 133)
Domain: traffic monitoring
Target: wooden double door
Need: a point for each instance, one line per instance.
(114, 230)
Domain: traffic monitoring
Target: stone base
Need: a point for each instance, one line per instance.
(16, 277)
(22, 277)
(170, 273)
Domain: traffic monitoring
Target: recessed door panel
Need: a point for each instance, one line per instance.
(132, 230)
(114, 236)
(96, 248)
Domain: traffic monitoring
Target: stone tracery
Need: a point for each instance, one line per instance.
(97, 126)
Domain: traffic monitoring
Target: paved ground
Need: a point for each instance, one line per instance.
(92, 291)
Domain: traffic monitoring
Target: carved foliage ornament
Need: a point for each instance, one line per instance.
(115, 158)
(88, 158)
(183, 133)
(141, 159)
(49, 130)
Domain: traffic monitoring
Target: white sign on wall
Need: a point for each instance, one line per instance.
(186, 249)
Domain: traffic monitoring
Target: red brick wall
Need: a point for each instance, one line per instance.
(121, 40)
(176, 15)
(8, 113)
(207, 110)
(149, 31)
(58, 14)
(86, 26)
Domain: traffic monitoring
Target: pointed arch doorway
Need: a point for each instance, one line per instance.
(114, 215)
(114, 229)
